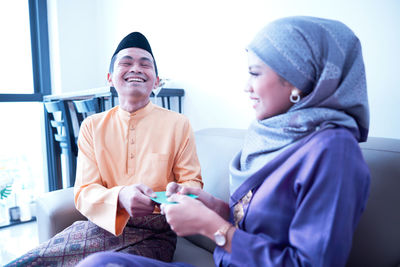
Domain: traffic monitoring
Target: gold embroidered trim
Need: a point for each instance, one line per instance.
(238, 209)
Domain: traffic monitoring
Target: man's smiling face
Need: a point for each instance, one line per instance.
(134, 74)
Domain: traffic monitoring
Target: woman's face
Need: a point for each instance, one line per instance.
(268, 92)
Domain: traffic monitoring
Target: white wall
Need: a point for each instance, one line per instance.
(200, 46)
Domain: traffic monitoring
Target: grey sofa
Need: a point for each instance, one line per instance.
(377, 238)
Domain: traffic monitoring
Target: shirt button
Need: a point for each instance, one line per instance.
(132, 141)
(132, 156)
(132, 128)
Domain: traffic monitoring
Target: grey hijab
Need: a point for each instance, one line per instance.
(323, 59)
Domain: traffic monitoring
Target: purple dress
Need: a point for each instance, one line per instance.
(305, 207)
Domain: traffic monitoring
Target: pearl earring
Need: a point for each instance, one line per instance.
(295, 96)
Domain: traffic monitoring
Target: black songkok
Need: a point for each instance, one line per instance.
(136, 39)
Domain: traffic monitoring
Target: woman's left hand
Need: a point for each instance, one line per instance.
(189, 216)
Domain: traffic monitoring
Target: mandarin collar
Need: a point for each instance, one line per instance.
(140, 113)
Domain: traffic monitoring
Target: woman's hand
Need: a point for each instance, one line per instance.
(172, 188)
(213, 203)
(187, 217)
(190, 216)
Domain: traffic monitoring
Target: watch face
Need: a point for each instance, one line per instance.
(219, 239)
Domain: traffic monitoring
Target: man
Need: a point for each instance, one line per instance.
(125, 155)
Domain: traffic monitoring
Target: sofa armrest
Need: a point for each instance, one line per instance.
(55, 211)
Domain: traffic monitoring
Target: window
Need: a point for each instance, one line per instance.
(21, 158)
(24, 73)
(15, 49)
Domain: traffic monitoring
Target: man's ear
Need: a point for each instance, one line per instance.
(109, 79)
(156, 83)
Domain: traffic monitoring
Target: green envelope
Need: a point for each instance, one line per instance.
(162, 198)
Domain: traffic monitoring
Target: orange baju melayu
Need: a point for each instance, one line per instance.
(152, 146)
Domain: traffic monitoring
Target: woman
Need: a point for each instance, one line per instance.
(300, 182)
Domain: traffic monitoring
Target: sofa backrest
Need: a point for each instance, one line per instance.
(215, 149)
(377, 238)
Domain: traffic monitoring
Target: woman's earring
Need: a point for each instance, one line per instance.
(295, 96)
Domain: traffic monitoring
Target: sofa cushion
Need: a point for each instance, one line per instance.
(190, 253)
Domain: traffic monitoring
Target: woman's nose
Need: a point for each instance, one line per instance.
(248, 88)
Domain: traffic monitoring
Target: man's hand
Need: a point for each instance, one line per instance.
(135, 199)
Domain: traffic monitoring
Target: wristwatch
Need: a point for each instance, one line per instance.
(220, 235)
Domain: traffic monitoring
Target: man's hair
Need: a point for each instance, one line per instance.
(111, 68)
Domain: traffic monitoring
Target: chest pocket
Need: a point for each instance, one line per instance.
(155, 171)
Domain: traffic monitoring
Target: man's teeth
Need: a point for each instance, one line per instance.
(254, 101)
(135, 80)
